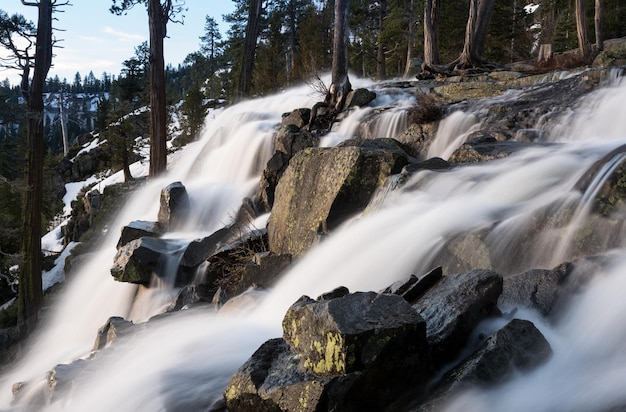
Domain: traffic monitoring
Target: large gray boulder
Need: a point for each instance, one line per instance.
(454, 306)
(352, 332)
(324, 186)
(356, 352)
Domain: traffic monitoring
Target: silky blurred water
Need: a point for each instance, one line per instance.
(183, 361)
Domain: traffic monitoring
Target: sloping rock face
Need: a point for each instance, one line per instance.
(454, 306)
(347, 354)
(290, 139)
(322, 187)
(548, 291)
(518, 346)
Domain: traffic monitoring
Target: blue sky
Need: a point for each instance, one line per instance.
(96, 40)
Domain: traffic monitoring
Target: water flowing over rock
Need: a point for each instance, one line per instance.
(138, 229)
(323, 187)
(516, 347)
(136, 261)
(491, 221)
(115, 328)
(174, 205)
(547, 291)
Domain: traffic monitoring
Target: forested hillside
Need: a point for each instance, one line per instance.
(270, 45)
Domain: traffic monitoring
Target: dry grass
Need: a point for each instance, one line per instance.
(425, 110)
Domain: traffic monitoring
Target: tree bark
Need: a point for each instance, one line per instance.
(476, 33)
(431, 31)
(252, 34)
(293, 44)
(381, 72)
(410, 40)
(30, 292)
(598, 25)
(584, 48)
(340, 84)
(158, 16)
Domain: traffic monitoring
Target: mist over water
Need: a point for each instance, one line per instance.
(183, 361)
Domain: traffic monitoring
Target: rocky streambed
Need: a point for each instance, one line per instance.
(414, 344)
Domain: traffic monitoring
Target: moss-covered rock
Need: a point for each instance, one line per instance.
(351, 333)
(322, 187)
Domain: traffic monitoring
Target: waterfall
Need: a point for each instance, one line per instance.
(183, 361)
(452, 133)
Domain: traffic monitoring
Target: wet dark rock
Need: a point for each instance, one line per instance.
(434, 163)
(264, 269)
(272, 381)
(454, 306)
(137, 260)
(610, 196)
(546, 291)
(298, 118)
(339, 292)
(174, 205)
(414, 287)
(243, 264)
(200, 250)
(190, 295)
(138, 229)
(352, 332)
(517, 347)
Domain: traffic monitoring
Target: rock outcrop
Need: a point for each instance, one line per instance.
(369, 351)
(325, 186)
(346, 353)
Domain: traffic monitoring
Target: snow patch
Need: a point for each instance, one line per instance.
(57, 273)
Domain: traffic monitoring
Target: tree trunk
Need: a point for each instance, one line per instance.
(252, 34)
(340, 84)
(431, 31)
(291, 59)
(66, 148)
(30, 293)
(598, 25)
(581, 29)
(476, 33)
(157, 20)
(410, 39)
(381, 72)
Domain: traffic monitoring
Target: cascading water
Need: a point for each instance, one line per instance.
(184, 360)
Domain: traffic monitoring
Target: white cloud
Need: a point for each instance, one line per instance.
(122, 36)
